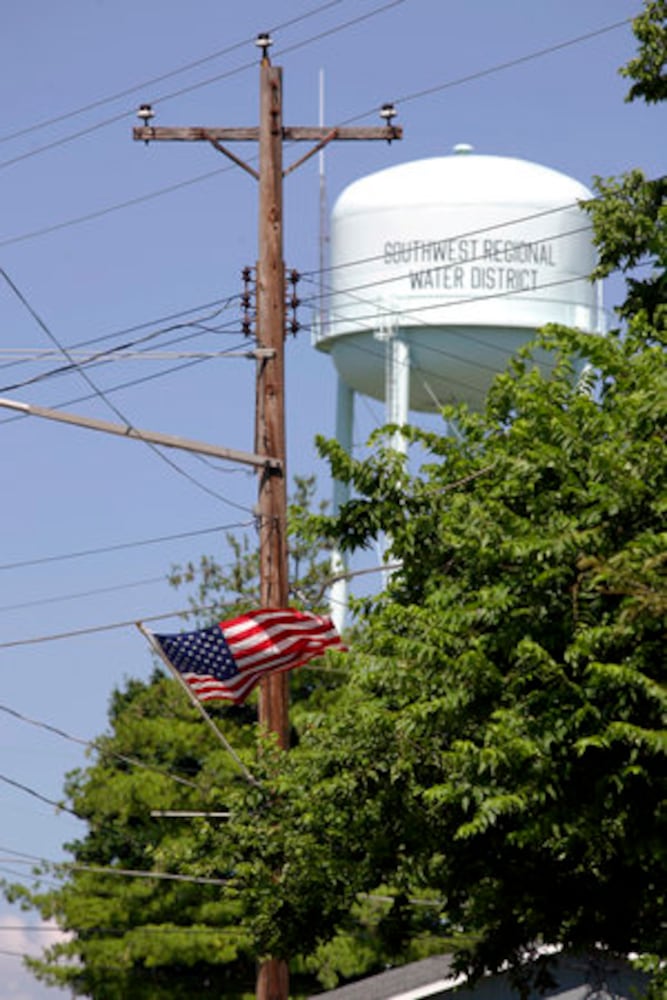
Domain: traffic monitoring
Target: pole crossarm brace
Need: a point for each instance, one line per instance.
(152, 437)
(233, 157)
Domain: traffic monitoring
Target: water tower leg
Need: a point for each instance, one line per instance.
(397, 402)
(341, 494)
(397, 387)
(601, 325)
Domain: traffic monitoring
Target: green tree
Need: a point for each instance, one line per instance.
(137, 936)
(133, 936)
(500, 747)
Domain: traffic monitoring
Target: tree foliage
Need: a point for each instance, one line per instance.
(647, 69)
(500, 748)
(496, 765)
(130, 934)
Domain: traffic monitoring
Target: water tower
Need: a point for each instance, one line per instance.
(440, 270)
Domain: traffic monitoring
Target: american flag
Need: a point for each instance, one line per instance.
(227, 660)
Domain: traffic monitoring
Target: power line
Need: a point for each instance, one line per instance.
(94, 592)
(37, 795)
(127, 872)
(353, 22)
(129, 203)
(75, 364)
(100, 748)
(466, 234)
(108, 627)
(349, 291)
(218, 304)
(500, 67)
(93, 105)
(45, 354)
(347, 264)
(80, 133)
(103, 396)
(443, 352)
(42, 560)
(92, 629)
(394, 278)
(121, 353)
(413, 96)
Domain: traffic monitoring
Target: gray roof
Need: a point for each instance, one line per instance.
(395, 981)
(593, 977)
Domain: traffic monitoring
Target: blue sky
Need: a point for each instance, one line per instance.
(89, 520)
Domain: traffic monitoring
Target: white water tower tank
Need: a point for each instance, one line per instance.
(462, 257)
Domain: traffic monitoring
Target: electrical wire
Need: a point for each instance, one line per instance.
(517, 220)
(169, 318)
(35, 355)
(37, 795)
(498, 67)
(105, 357)
(93, 592)
(118, 206)
(352, 23)
(93, 105)
(119, 546)
(103, 396)
(444, 352)
(92, 629)
(416, 95)
(350, 291)
(111, 98)
(76, 364)
(64, 866)
(113, 626)
(113, 119)
(440, 268)
(100, 748)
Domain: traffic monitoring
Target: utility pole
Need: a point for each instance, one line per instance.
(272, 979)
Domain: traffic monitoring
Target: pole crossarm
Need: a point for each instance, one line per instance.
(293, 133)
(153, 437)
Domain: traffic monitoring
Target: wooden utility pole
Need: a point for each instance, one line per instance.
(270, 395)
(273, 979)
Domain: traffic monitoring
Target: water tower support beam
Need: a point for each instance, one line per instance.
(397, 392)
(341, 494)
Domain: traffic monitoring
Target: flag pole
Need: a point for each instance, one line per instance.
(198, 705)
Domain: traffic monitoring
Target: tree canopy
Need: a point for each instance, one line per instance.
(496, 765)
